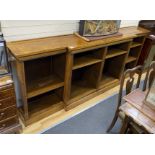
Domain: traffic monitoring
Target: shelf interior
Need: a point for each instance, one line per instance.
(135, 44)
(130, 59)
(43, 85)
(134, 52)
(130, 65)
(45, 104)
(114, 52)
(84, 81)
(85, 61)
(118, 49)
(112, 70)
(80, 89)
(88, 58)
(139, 40)
(107, 79)
(44, 74)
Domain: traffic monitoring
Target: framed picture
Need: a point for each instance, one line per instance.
(98, 27)
(150, 97)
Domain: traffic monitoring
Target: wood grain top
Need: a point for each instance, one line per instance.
(136, 99)
(32, 47)
(138, 117)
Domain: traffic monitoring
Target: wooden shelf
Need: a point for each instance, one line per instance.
(43, 85)
(44, 106)
(135, 44)
(80, 89)
(115, 52)
(85, 61)
(130, 59)
(107, 79)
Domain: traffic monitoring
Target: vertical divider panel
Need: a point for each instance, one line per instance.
(21, 78)
(68, 77)
(140, 49)
(101, 66)
(127, 48)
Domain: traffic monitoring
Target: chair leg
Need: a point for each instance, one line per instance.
(125, 125)
(113, 122)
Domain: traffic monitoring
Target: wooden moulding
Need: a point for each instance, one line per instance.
(27, 49)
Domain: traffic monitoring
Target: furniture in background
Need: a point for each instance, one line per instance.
(61, 72)
(4, 65)
(148, 50)
(9, 122)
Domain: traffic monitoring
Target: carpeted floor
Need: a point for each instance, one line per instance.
(94, 120)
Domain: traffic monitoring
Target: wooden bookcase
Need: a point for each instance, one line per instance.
(135, 50)
(62, 72)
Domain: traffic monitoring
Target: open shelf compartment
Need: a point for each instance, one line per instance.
(116, 50)
(44, 74)
(45, 104)
(138, 41)
(87, 58)
(130, 65)
(84, 81)
(130, 59)
(112, 70)
(133, 54)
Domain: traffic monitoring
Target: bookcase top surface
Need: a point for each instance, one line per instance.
(32, 47)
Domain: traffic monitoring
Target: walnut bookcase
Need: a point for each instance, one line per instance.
(61, 72)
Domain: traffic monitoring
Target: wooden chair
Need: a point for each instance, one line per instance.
(150, 75)
(130, 76)
(129, 123)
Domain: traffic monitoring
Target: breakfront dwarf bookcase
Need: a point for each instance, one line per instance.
(60, 72)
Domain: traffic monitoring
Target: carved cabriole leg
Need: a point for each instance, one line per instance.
(129, 85)
(125, 125)
(118, 104)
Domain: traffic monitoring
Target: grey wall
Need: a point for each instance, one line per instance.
(26, 29)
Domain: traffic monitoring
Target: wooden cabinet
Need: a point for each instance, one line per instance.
(62, 72)
(8, 111)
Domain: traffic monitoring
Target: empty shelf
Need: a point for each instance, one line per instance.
(80, 89)
(130, 59)
(44, 106)
(135, 44)
(107, 79)
(43, 85)
(84, 61)
(115, 52)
